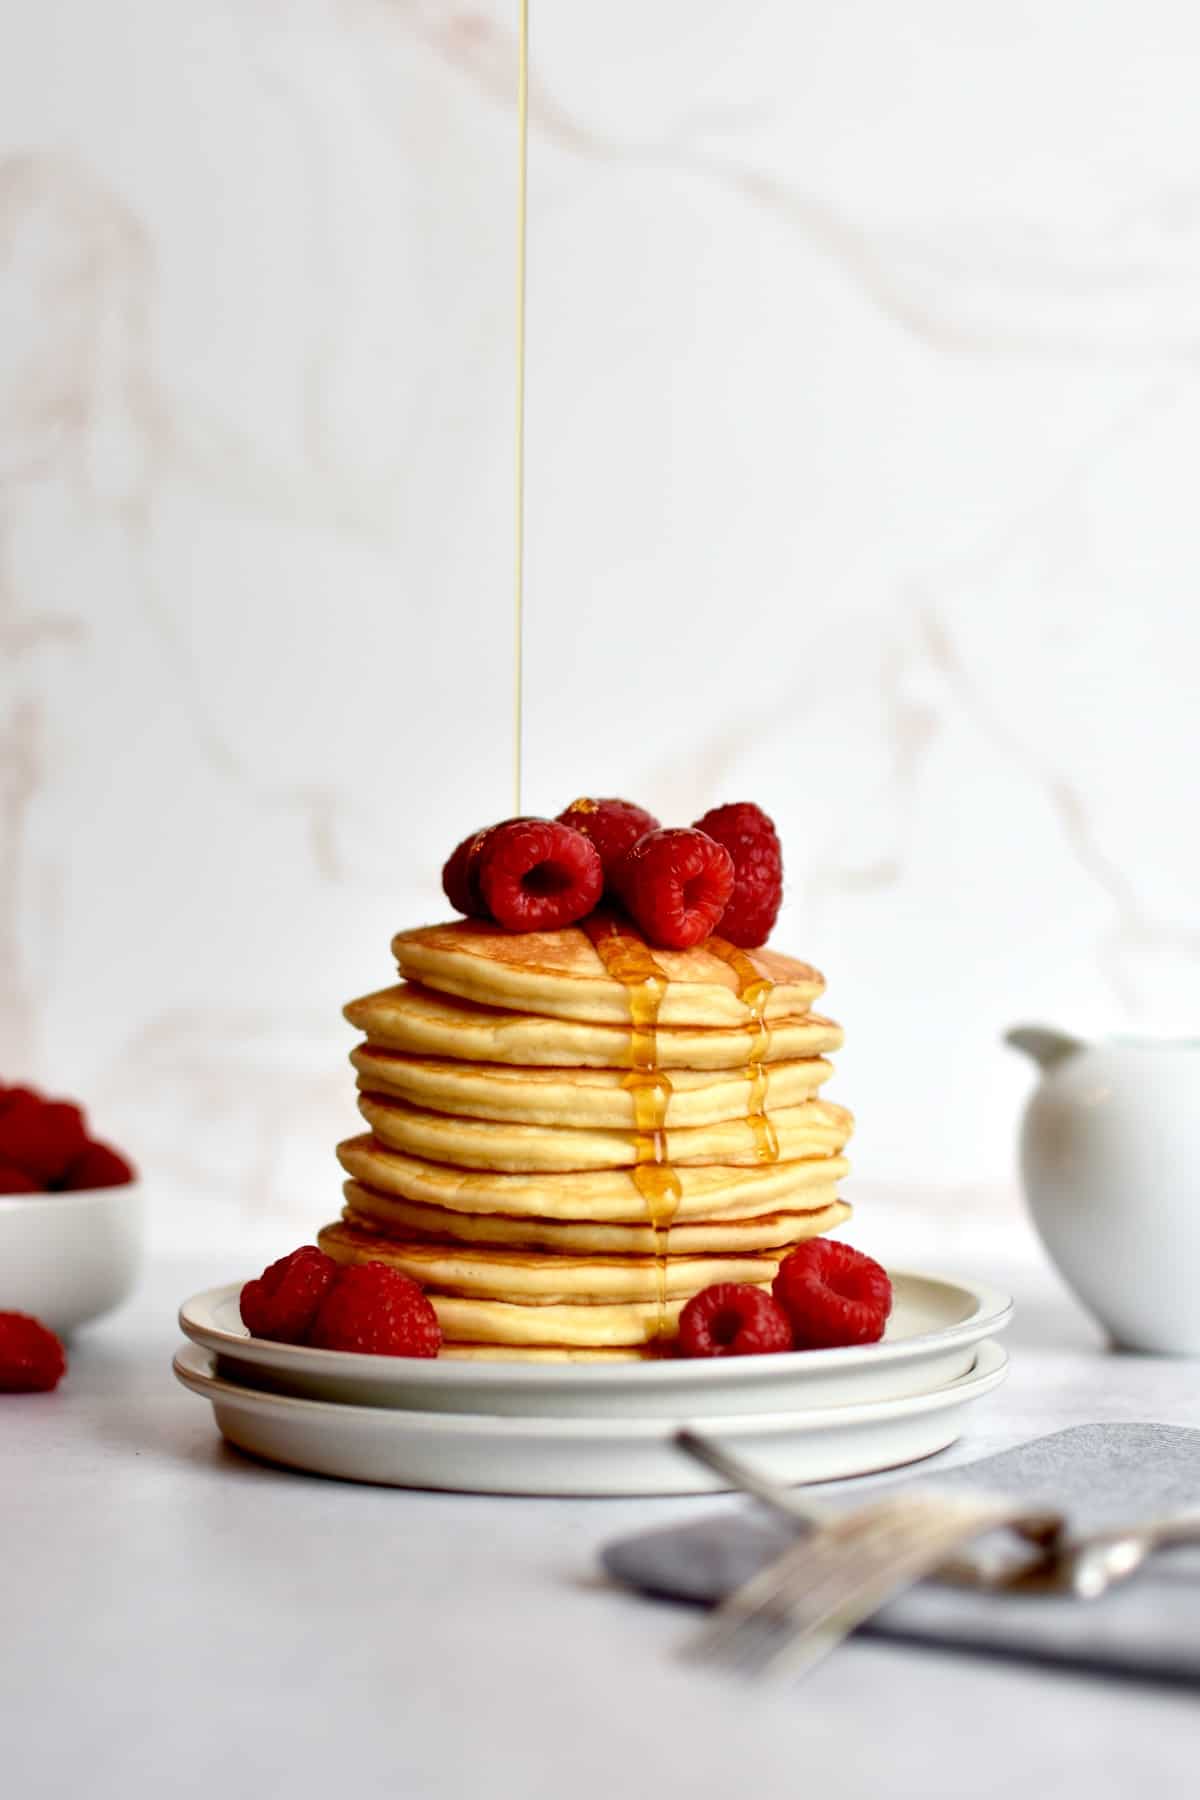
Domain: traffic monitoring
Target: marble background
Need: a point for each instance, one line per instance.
(863, 410)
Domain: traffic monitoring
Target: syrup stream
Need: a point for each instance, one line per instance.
(519, 470)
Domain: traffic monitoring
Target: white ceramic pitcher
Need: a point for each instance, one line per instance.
(1110, 1160)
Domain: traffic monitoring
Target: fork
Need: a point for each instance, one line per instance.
(790, 1615)
(1084, 1567)
(1039, 1528)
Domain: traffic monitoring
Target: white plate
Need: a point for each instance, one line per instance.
(930, 1340)
(595, 1456)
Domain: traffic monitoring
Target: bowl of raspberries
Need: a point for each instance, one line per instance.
(70, 1214)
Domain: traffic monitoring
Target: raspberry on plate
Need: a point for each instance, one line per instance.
(752, 842)
(833, 1295)
(539, 875)
(733, 1319)
(40, 1136)
(676, 883)
(282, 1302)
(32, 1361)
(97, 1166)
(614, 826)
(376, 1311)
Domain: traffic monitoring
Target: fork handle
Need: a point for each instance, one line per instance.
(1111, 1556)
(1174, 1532)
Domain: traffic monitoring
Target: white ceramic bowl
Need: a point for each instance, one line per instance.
(68, 1258)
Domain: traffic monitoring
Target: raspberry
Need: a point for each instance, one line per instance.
(97, 1167)
(676, 884)
(751, 840)
(538, 875)
(282, 1303)
(16, 1181)
(378, 1312)
(32, 1361)
(614, 826)
(40, 1136)
(8, 1095)
(460, 877)
(833, 1295)
(731, 1319)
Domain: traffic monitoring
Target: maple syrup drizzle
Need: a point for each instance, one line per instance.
(519, 436)
(653, 1176)
(627, 959)
(754, 991)
(766, 1138)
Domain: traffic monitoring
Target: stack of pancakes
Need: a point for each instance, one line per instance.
(571, 1133)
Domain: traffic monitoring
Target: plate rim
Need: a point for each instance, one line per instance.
(992, 1313)
(207, 1384)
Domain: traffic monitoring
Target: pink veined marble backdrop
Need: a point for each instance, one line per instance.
(862, 422)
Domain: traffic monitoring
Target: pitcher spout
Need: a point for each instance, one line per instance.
(1046, 1046)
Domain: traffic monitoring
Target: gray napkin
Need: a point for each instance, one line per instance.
(1099, 1475)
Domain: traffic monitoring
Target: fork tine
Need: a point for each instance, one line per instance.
(806, 1566)
(813, 1630)
(865, 1570)
(799, 1562)
(813, 1584)
(794, 1612)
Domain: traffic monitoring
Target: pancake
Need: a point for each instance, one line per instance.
(413, 1018)
(815, 1128)
(562, 974)
(599, 1196)
(408, 1218)
(537, 1278)
(560, 1353)
(576, 1097)
(465, 1319)
(594, 1327)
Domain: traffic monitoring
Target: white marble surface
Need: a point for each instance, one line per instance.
(862, 419)
(192, 1623)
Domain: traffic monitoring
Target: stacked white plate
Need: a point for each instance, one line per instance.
(600, 1428)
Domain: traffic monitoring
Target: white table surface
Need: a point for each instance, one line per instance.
(179, 1620)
